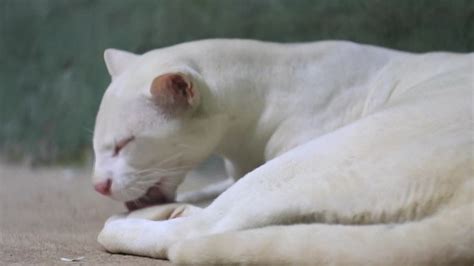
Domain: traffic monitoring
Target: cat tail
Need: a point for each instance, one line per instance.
(437, 240)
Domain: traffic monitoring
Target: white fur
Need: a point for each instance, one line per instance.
(371, 147)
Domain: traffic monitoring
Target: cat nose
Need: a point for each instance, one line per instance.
(104, 187)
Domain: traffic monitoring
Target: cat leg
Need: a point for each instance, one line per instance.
(443, 239)
(400, 164)
(131, 235)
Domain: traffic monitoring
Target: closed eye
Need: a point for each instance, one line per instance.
(121, 144)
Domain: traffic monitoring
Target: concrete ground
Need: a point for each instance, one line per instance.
(50, 213)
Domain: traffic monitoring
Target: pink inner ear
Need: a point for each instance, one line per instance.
(172, 91)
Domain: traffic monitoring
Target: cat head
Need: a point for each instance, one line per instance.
(152, 127)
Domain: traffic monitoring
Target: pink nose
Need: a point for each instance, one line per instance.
(104, 187)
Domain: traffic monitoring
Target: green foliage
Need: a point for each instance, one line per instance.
(52, 75)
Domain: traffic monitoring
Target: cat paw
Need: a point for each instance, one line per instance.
(132, 236)
(139, 237)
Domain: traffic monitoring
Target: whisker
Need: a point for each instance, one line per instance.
(162, 170)
(162, 162)
(125, 192)
(186, 147)
(88, 130)
(162, 175)
(165, 173)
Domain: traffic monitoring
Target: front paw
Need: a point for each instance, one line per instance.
(127, 236)
(137, 236)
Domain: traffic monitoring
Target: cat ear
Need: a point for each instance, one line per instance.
(118, 60)
(174, 92)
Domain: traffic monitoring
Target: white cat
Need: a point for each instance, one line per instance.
(348, 154)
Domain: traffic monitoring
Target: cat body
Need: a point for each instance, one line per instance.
(344, 153)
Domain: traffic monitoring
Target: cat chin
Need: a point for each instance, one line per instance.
(153, 196)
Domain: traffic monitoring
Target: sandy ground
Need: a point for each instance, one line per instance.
(50, 213)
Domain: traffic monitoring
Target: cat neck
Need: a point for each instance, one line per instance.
(277, 97)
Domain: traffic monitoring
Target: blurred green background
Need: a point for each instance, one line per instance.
(52, 74)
